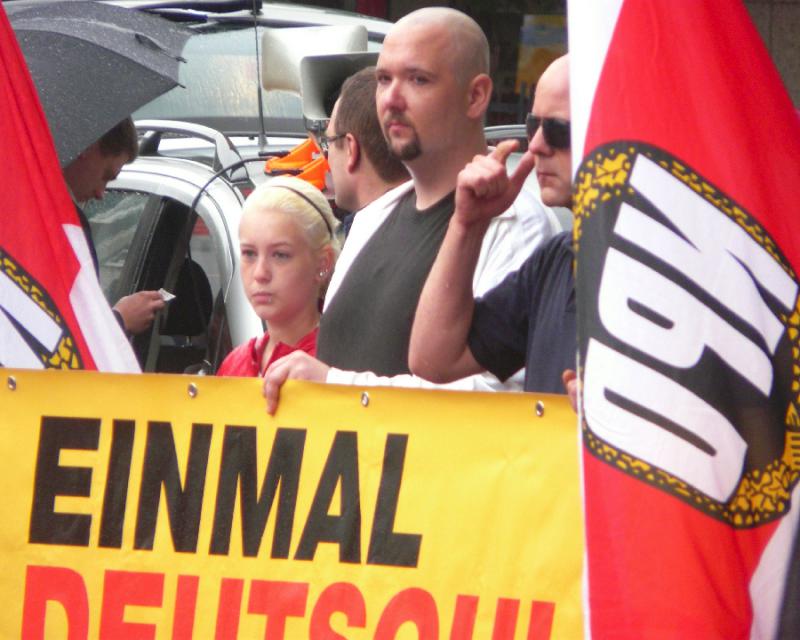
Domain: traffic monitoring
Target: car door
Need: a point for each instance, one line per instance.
(157, 228)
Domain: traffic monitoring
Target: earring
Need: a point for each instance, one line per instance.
(322, 274)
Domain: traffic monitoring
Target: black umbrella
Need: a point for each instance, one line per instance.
(94, 64)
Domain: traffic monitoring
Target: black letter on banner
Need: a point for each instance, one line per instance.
(238, 466)
(342, 464)
(386, 546)
(161, 468)
(55, 434)
(116, 495)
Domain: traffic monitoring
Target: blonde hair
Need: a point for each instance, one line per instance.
(304, 203)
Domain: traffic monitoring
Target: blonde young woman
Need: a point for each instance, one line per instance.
(288, 245)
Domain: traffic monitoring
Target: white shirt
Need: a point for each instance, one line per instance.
(365, 223)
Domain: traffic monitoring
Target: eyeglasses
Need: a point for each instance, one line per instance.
(556, 131)
(325, 142)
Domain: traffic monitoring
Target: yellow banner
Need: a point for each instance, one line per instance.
(157, 506)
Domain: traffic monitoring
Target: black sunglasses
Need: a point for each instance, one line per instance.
(326, 141)
(556, 131)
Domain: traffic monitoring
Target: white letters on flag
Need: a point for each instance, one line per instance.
(686, 150)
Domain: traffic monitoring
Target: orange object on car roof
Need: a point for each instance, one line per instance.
(314, 172)
(296, 160)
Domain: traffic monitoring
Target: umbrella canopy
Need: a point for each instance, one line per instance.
(94, 64)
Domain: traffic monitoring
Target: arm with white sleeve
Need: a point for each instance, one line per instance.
(438, 349)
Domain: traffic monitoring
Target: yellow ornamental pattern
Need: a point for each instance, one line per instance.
(762, 494)
(65, 355)
(599, 179)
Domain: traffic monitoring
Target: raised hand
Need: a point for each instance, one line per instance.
(484, 189)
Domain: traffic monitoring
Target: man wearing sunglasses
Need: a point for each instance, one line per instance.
(553, 170)
(529, 318)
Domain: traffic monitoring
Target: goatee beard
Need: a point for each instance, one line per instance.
(407, 151)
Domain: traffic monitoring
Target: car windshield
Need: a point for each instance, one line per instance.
(220, 87)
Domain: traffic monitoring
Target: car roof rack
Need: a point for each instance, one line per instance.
(500, 132)
(210, 6)
(225, 153)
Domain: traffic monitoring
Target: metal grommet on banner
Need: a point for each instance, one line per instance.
(364, 399)
(539, 408)
(12, 383)
(193, 390)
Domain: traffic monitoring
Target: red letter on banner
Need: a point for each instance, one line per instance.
(340, 597)
(411, 605)
(61, 585)
(464, 617)
(121, 588)
(541, 622)
(185, 606)
(505, 619)
(277, 601)
(230, 604)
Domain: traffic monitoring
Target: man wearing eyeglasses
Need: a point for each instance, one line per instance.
(367, 179)
(529, 318)
(363, 172)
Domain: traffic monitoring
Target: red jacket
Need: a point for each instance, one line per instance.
(245, 360)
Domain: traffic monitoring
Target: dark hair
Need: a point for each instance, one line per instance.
(120, 139)
(358, 116)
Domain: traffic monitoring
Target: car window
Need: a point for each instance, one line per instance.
(204, 252)
(138, 240)
(114, 221)
(220, 89)
(185, 331)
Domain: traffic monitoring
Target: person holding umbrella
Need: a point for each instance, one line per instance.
(86, 177)
(93, 65)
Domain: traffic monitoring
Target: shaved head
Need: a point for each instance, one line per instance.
(467, 43)
(433, 92)
(555, 80)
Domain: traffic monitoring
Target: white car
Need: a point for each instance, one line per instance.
(173, 223)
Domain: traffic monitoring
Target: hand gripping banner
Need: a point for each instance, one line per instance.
(686, 222)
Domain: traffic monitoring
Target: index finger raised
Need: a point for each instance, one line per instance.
(503, 150)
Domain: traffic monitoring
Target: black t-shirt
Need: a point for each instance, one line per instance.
(367, 325)
(528, 320)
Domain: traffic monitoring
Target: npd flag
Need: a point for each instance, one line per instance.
(52, 310)
(686, 202)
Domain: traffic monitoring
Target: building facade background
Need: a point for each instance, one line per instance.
(778, 22)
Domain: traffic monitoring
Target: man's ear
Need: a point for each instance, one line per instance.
(353, 152)
(479, 94)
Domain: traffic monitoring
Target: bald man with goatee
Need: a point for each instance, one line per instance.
(432, 95)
